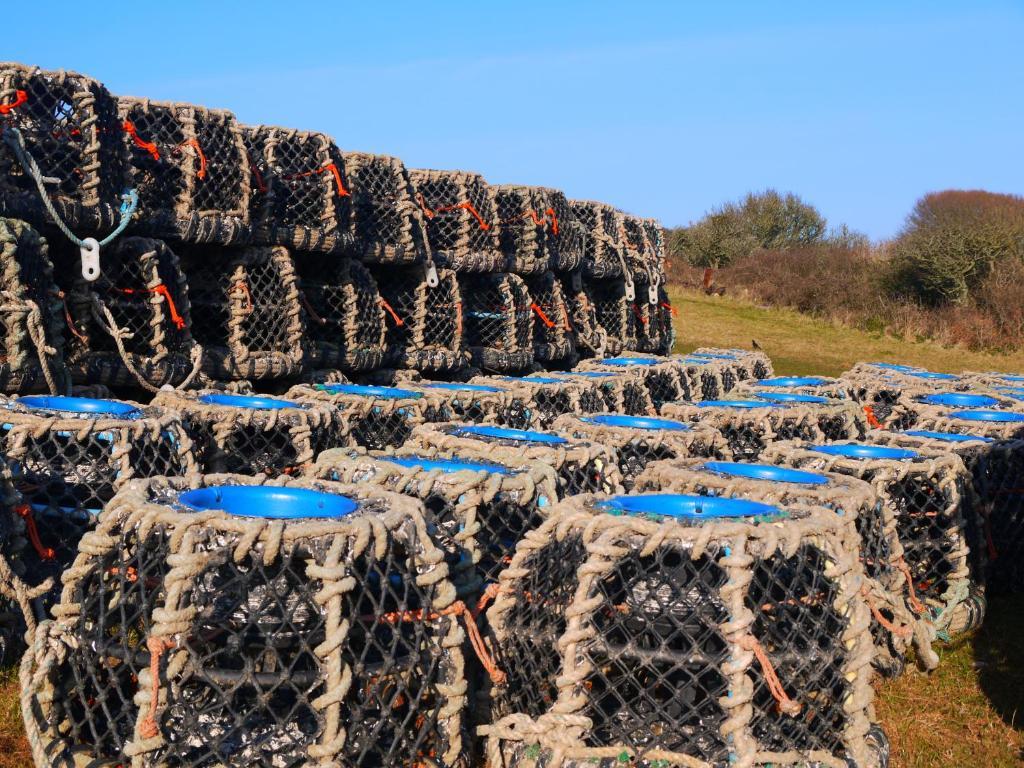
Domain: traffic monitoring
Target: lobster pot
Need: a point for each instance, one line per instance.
(461, 219)
(552, 328)
(664, 325)
(224, 620)
(375, 417)
(67, 124)
(613, 310)
(893, 626)
(190, 168)
(16, 596)
(630, 625)
(750, 426)
(998, 424)
(706, 378)
(880, 395)
(649, 326)
(749, 365)
(476, 511)
(929, 406)
(131, 327)
(639, 440)
(298, 189)
(489, 401)
(345, 321)
(527, 228)
(656, 237)
(925, 490)
(588, 337)
(565, 234)
(499, 321)
(661, 375)
(601, 229)
(68, 456)
(995, 380)
(246, 311)
(253, 434)
(908, 377)
(387, 224)
(548, 397)
(815, 386)
(31, 340)
(622, 392)
(581, 467)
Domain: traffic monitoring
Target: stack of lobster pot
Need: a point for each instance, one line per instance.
(663, 629)
(645, 262)
(924, 490)
(602, 269)
(233, 621)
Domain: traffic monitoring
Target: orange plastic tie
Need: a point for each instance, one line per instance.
(394, 315)
(70, 320)
(872, 419)
(161, 290)
(540, 313)
(156, 645)
(554, 220)
(490, 593)
(672, 310)
(194, 143)
(639, 315)
(148, 146)
(24, 511)
(465, 206)
(915, 605)
(423, 204)
(771, 679)
(20, 97)
(333, 169)
(129, 573)
(540, 221)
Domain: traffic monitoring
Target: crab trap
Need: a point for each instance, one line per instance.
(549, 397)
(638, 440)
(490, 401)
(706, 378)
(31, 339)
(221, 621)
(538, 230)
(246, 311)
(299, 194)
(749, 365)
(553, 334)
(17, 598)
(375, 417)
(1001, 425)
(750, 426)
(190, 168)
(661, 375)
(929, 405)
(461, 218)
(345, 317)
(387, 223)
(499, 321)
(816, 386)
(995, 380)
(61, 143)
(925, 491)
(253, 434)
(603, 250)
(612, 302)
(581, 467)
(424, 318)
(588, 337)
(68, 456)
(665, 629)
(623, 392)
(880, 552)
(476, 511)
(131, 327)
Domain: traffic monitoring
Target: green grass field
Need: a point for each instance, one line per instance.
(965, 714)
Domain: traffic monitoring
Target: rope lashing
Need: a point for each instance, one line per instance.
(157, 646)
(243, 287)
(20, 97)
(24, 511)
(915, 605)
(899, 631)
(786, 705)
(390, 310)
(161, 290)
(148, 146)
(554, 220)
(330, 167)
(869, 412)
(540, 313)
(70, 321)
(89, 247)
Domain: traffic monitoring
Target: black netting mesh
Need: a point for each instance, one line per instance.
(524, 227)
(299, 189)
(548, 397)
(1000, 474)
(146, 294)
(492, 402)
(246, 311)
(603, 250)
(31, 315)
(190, 168)
(588, 337)
(747, 364)
(387, 225)
(553, 332)
(424, 323)
(564, 242)
(461, 218)
(69, 126)
(499, 321)
(614, 313)
(345, 316)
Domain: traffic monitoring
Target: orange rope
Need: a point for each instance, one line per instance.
(161, 290)
(342, 192)
(24, 511)
(915, 605)
(156, 645)
(901, 631)
(256, 175)
(309, 309)
(554, 220)
(465, 206)
(194, 143)
(771, 679)
(672, 310)
(148, 146)
(129, 573)
(872, 419)
(70, 320)
(244, 287)
(20, 97)
(394, 315)
(540, 313)
(490, 592)
(639, 314)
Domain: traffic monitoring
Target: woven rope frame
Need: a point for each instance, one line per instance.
(547, 398)
(663, 376)
(833, 389)
(589, 336)
(613, 313)
(947, 421)
(498, 320)
(603, 249)
(558, 738)
(750, 364)
(553, 333)
(707, 379)
(70, 128)
(199, 540)
(480, 401)
(623, 391)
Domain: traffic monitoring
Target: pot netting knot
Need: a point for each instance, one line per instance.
(548, 397)
(191, 170)
(612, 303)
(424, 321)
(751, 426)
(375, 417)
(246, 311)
(254, 434)
(299, 189)
(131, 327)
(345, 316)
(483, 400)
(461, 219)
(499, 321)
(68, 456)
(923, 490)
(230, 621)
(31, 315)
(749, 364)
(580, 467)
(67, 124)
(661, 375)
(387, 223)
(603, 250)
(553, 333)
(639, 440)
(854, 501)
(679, 630)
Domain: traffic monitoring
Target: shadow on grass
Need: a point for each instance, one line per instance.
(999, 658)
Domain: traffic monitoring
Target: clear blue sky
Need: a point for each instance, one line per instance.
(662, 108)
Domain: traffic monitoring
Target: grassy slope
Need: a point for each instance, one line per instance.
(966, 712)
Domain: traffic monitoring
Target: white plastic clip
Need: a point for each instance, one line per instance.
(652, 293)
(630, 291)
(431, 272)
(90, 251)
